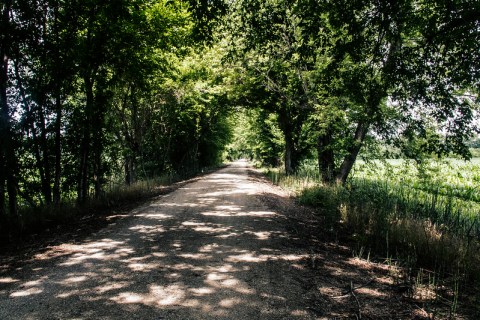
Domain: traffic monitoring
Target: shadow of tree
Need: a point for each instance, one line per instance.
(210, 250)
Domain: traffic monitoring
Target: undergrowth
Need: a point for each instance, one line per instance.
(116, 195)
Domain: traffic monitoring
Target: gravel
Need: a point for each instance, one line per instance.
(213, 249)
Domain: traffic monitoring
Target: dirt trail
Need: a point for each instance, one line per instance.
(213, 249)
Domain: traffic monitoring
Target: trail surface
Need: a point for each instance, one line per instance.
(214, 249)
(211, 249)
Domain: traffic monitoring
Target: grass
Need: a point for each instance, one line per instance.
(32, 220)
(426, 215)
(36, 219)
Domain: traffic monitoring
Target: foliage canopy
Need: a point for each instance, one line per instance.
(99, 91)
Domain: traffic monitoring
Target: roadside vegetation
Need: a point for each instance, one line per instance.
(424, 217)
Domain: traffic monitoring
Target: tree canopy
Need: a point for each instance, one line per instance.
(98, 91)
(366, 69)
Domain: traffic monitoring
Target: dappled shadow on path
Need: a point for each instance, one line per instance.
(211, 250)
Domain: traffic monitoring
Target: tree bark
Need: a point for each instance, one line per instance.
(83, 177)
(130, 175)
(353, 150)
(326, 159)
(291, 155)
(2, 185)
(46, 181)
(98, 142)
(59, 79)
(288, 154)
(58, 151)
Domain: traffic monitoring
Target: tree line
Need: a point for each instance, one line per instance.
(341, 75)
(94, 91)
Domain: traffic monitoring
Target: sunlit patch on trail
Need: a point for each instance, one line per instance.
(112, 286)
(195, 256)
(224, 213)
(8, 280)
(26, 292)
(200, 292)
(228, 235)
(252, 257)
(30, 288)
(226, 281)
(106, 249)
(157, 296)
(143, 267)
(77, 278)
(154, 216)
(206, 227)
(229, 303)
(147, 229)
(261, 235)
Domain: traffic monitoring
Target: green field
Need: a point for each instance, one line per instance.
(445, 192)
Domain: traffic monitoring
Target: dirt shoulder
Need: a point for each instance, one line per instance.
(227, 246)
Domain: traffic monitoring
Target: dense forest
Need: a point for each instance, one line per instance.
(96, 93)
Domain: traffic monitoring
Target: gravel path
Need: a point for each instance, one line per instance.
(210, 250)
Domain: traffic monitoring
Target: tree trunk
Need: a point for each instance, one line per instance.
(128, 176)
(352, 153)
(2, 185)
(326, 159)
(58, 151)
(59, 78)
(129, 170)
(46, 181)
(289, 154)
(98, 123)
(83, 177)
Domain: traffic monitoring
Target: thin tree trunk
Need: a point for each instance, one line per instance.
(3, 106)
(98, 141)
(129, 170)
(58, 151)
(58, 111)
(2, 185)
(326, 159)
(128, 176)
(83, 180)
(289, 146)
(46, 182)
(289, 155)
(353, 150)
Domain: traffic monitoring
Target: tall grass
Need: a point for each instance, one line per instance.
(429, 214)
